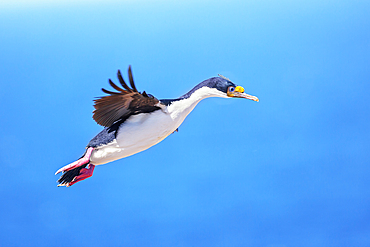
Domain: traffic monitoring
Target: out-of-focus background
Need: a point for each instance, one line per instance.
(291, 170)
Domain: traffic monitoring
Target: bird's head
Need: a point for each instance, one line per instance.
(227, 89)
(216, 87)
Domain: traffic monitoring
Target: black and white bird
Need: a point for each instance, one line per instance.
(136, 121)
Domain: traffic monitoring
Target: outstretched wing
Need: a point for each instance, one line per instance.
(123, 103)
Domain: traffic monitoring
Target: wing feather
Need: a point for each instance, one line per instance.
(108, 92)
(123, 83)
(115, 86)
(131, 79)
(121, 104)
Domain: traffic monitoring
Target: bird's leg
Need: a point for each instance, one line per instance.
(84, 160)
(84, 173)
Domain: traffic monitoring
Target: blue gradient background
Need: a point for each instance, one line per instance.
(291, 170)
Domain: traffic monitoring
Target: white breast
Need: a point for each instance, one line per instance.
(136, 134)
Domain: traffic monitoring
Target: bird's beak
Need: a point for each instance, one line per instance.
(239, 93)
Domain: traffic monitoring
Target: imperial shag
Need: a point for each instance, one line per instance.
(136, 121)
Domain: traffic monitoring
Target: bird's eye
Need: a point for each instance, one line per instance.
(231, 89)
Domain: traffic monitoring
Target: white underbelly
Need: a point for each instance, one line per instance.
(136, 134)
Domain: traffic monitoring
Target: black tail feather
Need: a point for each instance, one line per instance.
(68, 176)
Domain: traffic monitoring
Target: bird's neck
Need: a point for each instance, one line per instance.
(181, 107)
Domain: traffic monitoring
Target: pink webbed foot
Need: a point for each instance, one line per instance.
(84, 160)
(84, 173)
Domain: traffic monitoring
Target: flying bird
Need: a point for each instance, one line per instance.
(136, 121)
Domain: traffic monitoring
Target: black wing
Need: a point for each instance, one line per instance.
(127, 101)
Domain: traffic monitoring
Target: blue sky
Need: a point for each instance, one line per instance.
(291, 170)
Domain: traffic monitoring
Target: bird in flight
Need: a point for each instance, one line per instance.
(136, 121)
